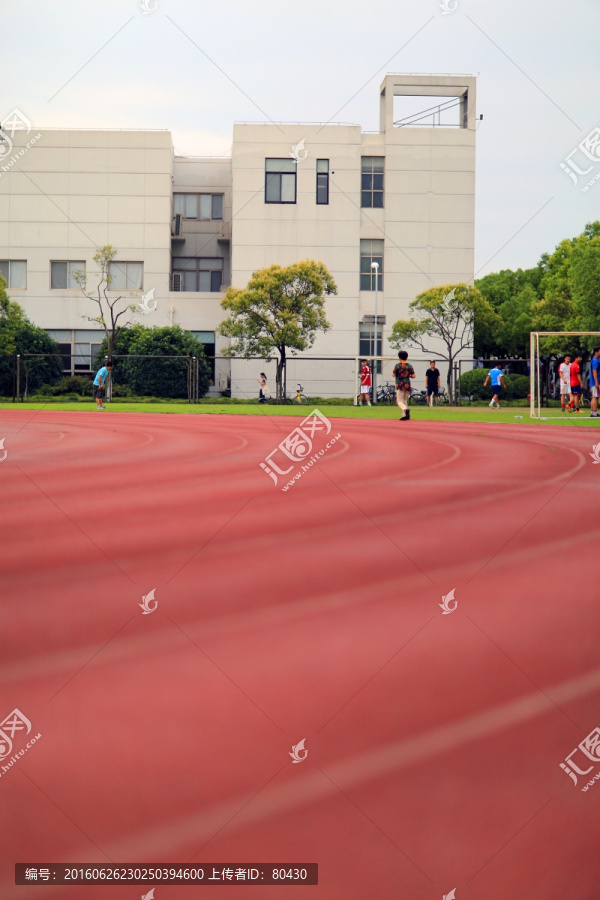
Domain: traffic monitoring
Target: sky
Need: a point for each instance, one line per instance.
(195, 69)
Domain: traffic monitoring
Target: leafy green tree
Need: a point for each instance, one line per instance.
(282, 308)
(20, 336)
(151, 377)
(446, 314)
(512, 295)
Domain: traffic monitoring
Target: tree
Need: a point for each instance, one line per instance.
(110, 310)
(281, 309)
(20, 336)
(448, 313)
(167, 377)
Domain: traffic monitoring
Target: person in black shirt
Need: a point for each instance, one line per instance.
(432, 381)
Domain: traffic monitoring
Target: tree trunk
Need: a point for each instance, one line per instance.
(281, 376)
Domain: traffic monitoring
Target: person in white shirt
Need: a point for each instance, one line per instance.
(564, 374)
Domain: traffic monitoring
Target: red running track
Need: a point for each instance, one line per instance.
(434, 741)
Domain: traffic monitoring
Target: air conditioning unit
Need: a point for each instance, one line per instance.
(177, 281)
(177, 229)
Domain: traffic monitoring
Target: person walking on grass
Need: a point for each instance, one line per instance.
(595, 382)
(365, 383)
(100, 383)
(432, 383)
(403, 372)
(496, 376)
(263, 394)
(576, 384)
(564, 372)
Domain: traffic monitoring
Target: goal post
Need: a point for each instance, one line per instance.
(535, 370)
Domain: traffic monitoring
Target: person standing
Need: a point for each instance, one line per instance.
(365, 383)
(403, 372)
(576, 384)
(432, 383)
(595, 382)
(564, 371)
(100, 383)
(496, 376)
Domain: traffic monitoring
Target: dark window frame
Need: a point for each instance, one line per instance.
(278, 176)
(216, 271)
(322, 176)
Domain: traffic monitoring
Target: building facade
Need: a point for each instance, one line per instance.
(186, 228)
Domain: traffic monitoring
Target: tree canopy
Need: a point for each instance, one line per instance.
(20, 336)
(446, 315)
(282, 308)
(561, 293)
(168, 377)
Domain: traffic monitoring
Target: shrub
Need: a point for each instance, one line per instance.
(69, 384)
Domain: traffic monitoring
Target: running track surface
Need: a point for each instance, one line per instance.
(434, 741)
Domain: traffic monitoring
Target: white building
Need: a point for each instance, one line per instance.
(403, 197)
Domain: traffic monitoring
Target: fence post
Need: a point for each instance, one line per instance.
(18, 377)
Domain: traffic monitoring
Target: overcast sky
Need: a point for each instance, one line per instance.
(196, 68)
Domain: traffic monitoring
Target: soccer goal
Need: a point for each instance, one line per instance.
(548, 373)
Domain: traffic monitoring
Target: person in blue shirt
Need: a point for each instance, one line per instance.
(496, 376)
(100, 382)
(595, 382)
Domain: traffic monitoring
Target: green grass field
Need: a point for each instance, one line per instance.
(418, 413)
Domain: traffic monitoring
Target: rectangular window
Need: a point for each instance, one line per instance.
(322, 181)
(14, 272)
(371, 185)
(63, 274)
(199, 273)
(366, 344)
(198, 206)
(217, 206)
(126, 276)
(370, 252)
(280, 181)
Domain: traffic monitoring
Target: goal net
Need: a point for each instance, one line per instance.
(547, 351)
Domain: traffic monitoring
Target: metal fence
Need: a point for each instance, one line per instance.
(190, 378)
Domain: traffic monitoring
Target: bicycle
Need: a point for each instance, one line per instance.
(300, 396)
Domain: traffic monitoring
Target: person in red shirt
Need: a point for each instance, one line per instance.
(365, 383)
(576, 384)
